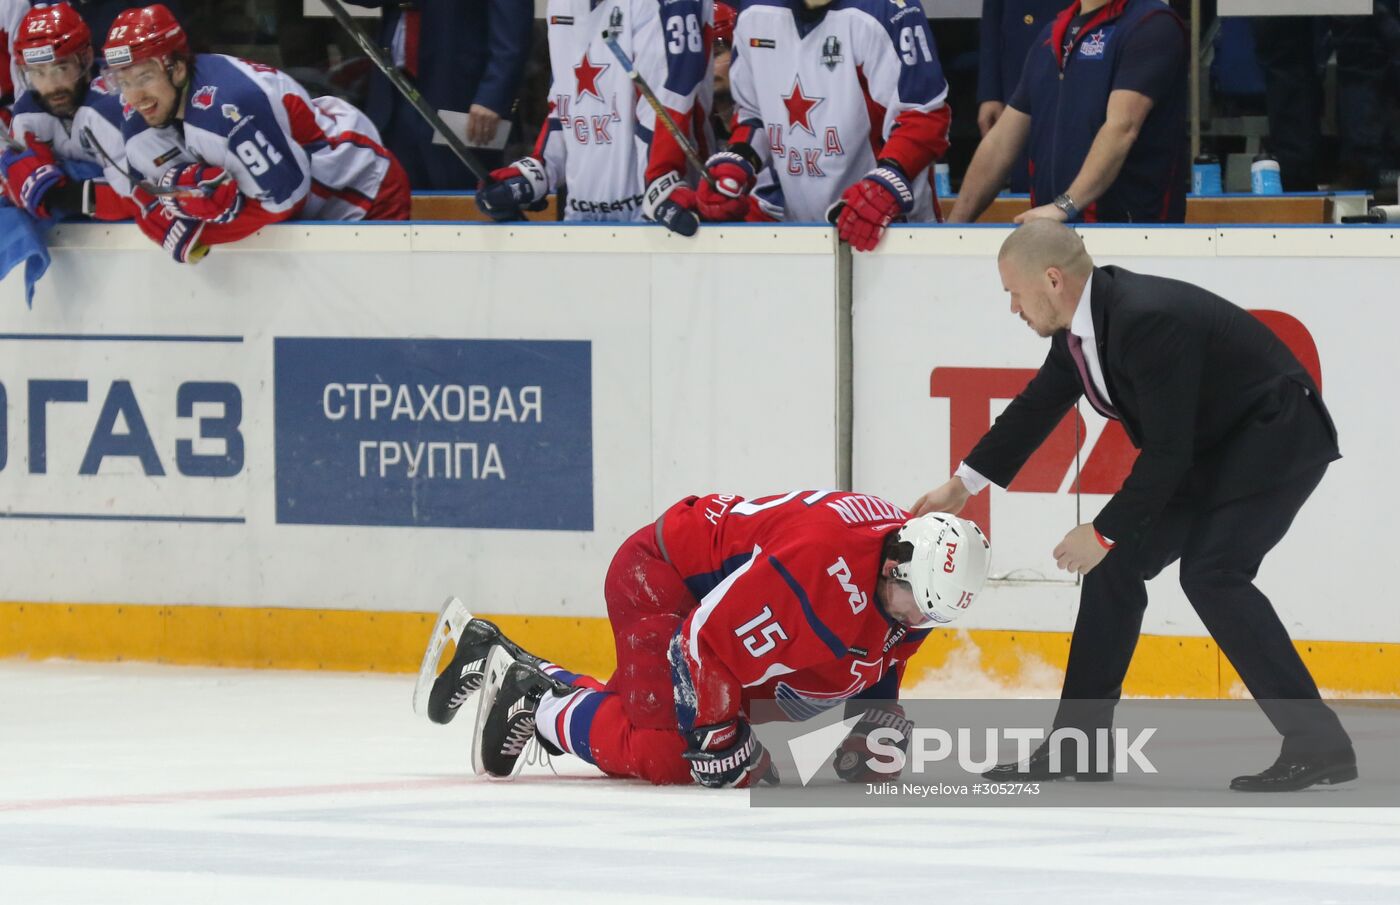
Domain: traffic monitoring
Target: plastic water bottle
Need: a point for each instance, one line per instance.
(1205, 176)
(942, 180)
(1264, 178)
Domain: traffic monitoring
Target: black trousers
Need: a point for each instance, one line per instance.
(1287, 48)
(1220, 548)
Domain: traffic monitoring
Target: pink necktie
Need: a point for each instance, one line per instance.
(412, 24)
(1091, 392)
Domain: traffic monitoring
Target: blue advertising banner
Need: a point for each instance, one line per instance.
(454, 433)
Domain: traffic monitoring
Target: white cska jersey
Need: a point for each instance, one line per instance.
(821, 95)
(288, 152)
(601, 140)
(99, 115)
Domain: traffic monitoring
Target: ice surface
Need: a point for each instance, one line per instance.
(127, 783)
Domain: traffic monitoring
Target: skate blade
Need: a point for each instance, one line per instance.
(498, 661)
(450, 622)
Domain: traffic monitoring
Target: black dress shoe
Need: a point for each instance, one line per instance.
(1292, 775)
(1037, 768)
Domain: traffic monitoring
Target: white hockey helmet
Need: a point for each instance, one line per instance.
(948, 567)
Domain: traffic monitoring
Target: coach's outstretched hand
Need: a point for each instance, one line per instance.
(949, 497)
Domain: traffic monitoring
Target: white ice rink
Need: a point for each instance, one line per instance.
(144, 784)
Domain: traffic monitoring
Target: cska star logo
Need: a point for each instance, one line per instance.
(586, 76)
(1093, 45)
(203, 98)
(831, 53)
(799, 107)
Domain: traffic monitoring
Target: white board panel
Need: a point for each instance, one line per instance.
(917, 314)
(116, 319)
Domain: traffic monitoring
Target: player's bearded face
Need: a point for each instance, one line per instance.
(59, 83)
(148, 88)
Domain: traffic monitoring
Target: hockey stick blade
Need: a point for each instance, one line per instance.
(662, 116)
(451, 620)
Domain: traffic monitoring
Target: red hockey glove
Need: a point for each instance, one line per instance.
(208, 193)
(728, 756)
(30, 174)
(733, 178)
(855, 754)
(867, 207)
(522, 186)
(176, 235)
(671, 202)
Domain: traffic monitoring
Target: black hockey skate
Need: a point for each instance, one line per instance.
(463, 676)
(505, 720)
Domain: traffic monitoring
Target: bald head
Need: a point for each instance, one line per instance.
(1038, 245)
(1045, 268)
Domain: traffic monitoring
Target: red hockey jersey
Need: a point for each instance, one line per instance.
(787, 610)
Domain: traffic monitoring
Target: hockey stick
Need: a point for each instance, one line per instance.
(410, 93)
(146, 185)
(8, 139)
(661, 115)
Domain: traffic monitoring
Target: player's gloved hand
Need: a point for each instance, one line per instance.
(30, 174)
(728, 755)
(669, 201)
(181, 239)
(207, 194)
(522, 186)
(733, 176)
(867, 207)
(177, 235)
(854, 754)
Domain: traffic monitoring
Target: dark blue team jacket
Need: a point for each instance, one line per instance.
(1067, 112)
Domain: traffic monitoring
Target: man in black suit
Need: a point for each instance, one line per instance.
(1233, 436)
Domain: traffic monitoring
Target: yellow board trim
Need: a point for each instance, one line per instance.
(361, 641)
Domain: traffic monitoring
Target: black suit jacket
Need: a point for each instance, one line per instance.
(1217, 404)
(469, 51)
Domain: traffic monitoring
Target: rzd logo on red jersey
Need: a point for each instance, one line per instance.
(842, 573)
